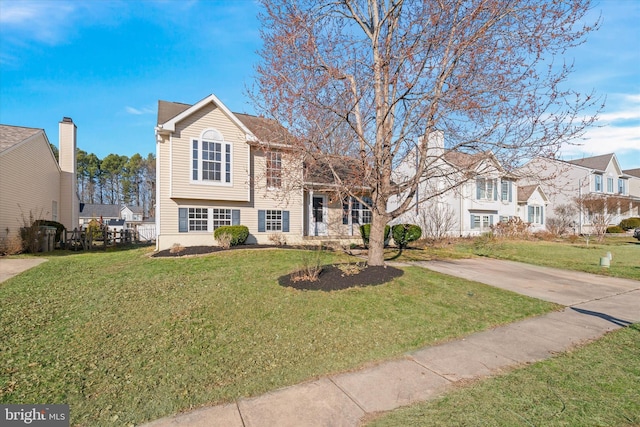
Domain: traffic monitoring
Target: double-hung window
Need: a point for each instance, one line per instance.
(536, 215)
(274, 169)
(198, 219)
(609, 185)
(621, 186)
(273, 220)
(220, 217)
(598, 183)
(486, 189)
(360, 213)
(211, 158)
(481, 222)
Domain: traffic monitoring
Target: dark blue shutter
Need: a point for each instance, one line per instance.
(472, 221)
(262, 221)
(510, 191)
(478, 181)
(530, 213)
(183, 220)
(495, 189)
(235, 217)
(345, 211)
(541, 214)
(490, 219)
(285, 221)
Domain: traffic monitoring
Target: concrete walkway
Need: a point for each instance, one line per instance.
(10, 267)
(595, 305)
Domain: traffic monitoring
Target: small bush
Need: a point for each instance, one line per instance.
(11, 245)
(615, 229)
(176, 248)
(310, 268)
(403, 234)
(278, 239)
(238, 233)
(630, 223)
(224, 240)
(365, 231)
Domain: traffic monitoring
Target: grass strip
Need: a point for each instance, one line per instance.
(595, 385)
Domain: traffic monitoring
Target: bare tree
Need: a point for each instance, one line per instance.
(374, 79)
(437, 220)
(564, 219)
(601, 211)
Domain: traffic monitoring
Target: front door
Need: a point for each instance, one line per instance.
(319, 215)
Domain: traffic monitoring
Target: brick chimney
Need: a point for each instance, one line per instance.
(69, 203)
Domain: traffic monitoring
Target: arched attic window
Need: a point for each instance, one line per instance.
(211, 158)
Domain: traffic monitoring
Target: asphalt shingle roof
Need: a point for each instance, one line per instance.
(597, 162)
(525, 191)
(12, 135)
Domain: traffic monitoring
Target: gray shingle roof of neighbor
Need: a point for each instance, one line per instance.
(596, 162)
(134, 209)
(94, 210)
(319, 171)
(12, 135)
(266, 130)
(525, 191)
(632, 172)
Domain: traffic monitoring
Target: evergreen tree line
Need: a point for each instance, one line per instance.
(117, 179)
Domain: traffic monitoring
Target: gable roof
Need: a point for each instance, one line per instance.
(11, 136)
(96, 210)
(632, 172)
(257, 129)
(466, 161)
(133, 209)
(525, 192)
(319, 171)
(597, 162)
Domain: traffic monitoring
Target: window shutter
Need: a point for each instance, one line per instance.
(510, 191)
(345, 211)
(472, 221)
(285, 221)
(479, 182)
(495, 189)
(262, 220)
(183, 220)
(235, 217)
(541, 214)
(530, 213)
(490, 219)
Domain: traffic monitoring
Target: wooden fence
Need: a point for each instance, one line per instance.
(84, 240)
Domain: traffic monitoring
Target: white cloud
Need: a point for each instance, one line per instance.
(138, 111)
(44, 21)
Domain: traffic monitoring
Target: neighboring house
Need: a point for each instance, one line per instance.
(100, 212)
(475, 192)
(532, 206)
(117, 224)
(133, 215)
(634, 189)
(567, 182)
(216, 168)
(32, 182)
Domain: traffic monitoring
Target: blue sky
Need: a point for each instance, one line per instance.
(106, 63)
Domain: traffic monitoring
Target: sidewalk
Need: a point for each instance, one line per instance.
(596, 305)
(12, 267)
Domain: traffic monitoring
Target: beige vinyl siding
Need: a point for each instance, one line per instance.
(262, 198)
(191, 128)
(29, 183)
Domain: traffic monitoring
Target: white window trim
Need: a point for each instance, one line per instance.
(277, 222)
(225, 144)
(267, 176)
(189, 219)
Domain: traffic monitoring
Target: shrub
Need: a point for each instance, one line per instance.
(95, 229)
(11, 244)
(403, 234)
(176, 248)
(238, 233)
(310, 267)
(365, 231)
(615, 229)
(630, 223)
(224, 240)
(278, 239)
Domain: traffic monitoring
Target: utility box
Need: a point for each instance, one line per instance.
(48, 235)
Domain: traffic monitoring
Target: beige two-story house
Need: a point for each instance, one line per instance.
(218, 168)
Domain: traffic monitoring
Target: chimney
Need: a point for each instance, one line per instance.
(68, 180)
(435, 144)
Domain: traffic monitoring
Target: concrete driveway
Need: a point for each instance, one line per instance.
(10, 267)
(564, 287)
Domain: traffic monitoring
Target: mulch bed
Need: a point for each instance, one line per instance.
(332, 278)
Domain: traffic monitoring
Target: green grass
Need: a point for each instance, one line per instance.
(124, 338)
(596, 385)
(577, 256)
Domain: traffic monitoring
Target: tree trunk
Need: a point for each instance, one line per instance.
(376, 239)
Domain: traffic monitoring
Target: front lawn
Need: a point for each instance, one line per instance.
(596, 385)
(124, 338)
